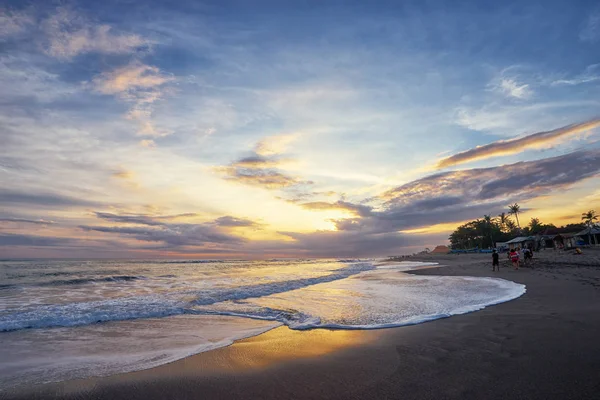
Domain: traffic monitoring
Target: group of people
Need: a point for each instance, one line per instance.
(515, 256)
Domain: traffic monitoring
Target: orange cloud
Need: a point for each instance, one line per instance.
(513, 146)
(131, 77)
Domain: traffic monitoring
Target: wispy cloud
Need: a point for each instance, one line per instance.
(128, 81)
(28, 221)
(70, 34)
(591, 74)
(15, 239)
(590, 32)
(139, 84)
(13, 22)
(356, 209)
(276, 144)
(172, 234)
(517, 145)
(42, 199)
(511, 88)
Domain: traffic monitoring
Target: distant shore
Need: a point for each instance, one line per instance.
(543, 345)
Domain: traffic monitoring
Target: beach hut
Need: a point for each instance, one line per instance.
(585, 236)
(441, 250)
(566, 240)
(544, 241)
(521, 241)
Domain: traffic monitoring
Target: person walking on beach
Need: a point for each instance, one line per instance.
(495, 261)
(514, 257)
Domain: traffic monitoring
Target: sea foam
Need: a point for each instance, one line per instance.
(98, 323)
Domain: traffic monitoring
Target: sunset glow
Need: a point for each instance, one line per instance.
(263, 130)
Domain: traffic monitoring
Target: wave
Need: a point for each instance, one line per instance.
(76, 281)
(79, 281)
(358, 296)
(154, 306)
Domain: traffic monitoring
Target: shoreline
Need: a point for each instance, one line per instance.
(482, 354)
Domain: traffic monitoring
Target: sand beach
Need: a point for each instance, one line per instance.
(543, 345)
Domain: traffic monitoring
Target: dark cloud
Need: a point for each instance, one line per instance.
(13, 239)
(357, 209)
(28, 221)
(257, 170)
(131, 219)
(172, 234)
(512, 146)
(230, 221)
(141, 219)
(255, 161)
(43, 199)
(465, 194)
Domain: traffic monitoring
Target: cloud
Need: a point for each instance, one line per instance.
(229, 221)
(518, 145)
(13, 239)
(129, 79)
(589, 75)
(43, 199)
(455, 196)
(511, 88)
(162, 228)
(141, 85)
(173, 235)
(258, 170)
(591, 28)
(28, 221)
(348, 244)
(255, 161)
(70, 34)
(267, 178)
(133, 219)
(142, 219)
(13, 22)
(275, 144)
(357, 209)
(149, 143)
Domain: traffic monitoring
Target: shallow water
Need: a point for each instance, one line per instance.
(73, 319)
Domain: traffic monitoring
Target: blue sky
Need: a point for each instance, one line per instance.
(259, 129)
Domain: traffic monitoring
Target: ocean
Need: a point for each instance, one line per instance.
(63, 320)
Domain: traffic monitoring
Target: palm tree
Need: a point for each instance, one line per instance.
(511, 226)
(588, 218)
(502, 220)
(535, 225)
(514, 210)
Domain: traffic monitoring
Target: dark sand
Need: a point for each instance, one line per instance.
(544, 345)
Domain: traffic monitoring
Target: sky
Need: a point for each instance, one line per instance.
(236, 129)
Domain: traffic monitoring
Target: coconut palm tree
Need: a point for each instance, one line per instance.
(502, 221)
(515, 209)
(511, 226)
(588, 218)
(535, 225)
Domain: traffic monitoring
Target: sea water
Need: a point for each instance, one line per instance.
(63, 320)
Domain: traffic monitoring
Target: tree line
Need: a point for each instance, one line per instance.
(486, 231)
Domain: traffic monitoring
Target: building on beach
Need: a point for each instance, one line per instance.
(566, 240)
(521, 241)
(589, 237)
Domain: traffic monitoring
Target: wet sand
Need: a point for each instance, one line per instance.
(544, 345)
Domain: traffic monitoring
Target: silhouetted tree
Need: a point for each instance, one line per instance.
(589, 219)
(515, 209)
